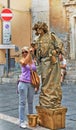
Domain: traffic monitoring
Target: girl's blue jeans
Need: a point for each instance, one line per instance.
(26, 93)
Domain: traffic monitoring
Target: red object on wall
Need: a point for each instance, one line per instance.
(6, 14)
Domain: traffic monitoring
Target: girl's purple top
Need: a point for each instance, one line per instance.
(25, 75)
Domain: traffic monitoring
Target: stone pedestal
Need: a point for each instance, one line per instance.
(51, 118)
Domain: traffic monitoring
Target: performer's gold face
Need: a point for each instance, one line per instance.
(40, 31)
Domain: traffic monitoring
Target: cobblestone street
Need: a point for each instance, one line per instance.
(9, 107)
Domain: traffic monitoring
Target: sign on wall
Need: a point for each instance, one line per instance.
(6, 14)
(6, 32)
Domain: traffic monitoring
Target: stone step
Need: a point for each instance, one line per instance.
(71, 61)
(71, 64)
(70, 81)
(70, 77)
(71, 69)
(70, 72)
(9, 80)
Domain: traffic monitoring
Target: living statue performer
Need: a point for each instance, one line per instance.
(48, 46)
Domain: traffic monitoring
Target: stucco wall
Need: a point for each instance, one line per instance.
(58, 19)
(20, 23)
(58, 22)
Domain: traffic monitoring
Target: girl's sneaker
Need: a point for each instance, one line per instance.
(23, 125)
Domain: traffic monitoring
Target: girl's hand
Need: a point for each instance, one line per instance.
(36, 89)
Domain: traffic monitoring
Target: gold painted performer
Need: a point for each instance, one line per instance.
(48, 46)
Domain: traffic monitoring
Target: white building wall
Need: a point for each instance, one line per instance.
(73, 35)
(40, 11)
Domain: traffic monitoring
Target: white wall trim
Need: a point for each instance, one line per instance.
(72, 37)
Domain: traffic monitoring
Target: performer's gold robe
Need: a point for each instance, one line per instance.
(48, 48)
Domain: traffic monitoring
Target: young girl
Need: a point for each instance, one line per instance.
(25, 88)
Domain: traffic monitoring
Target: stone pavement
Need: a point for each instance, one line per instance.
(9, 107)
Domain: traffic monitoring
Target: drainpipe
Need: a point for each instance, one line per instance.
(8, 50)
(8, 3)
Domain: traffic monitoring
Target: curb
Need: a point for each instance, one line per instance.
(9, 80)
